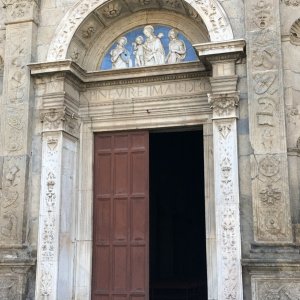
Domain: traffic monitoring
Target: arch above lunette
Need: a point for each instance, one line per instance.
(211, 12)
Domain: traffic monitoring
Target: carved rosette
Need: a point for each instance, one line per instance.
(269, 168)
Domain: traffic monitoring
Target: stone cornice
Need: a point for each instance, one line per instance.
(221, 51)
(119, 77)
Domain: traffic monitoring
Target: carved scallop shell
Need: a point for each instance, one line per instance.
(295, 33)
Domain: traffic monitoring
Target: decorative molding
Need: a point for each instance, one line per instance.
(210, 11)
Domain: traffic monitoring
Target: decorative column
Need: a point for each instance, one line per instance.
(54, 279)
(224, 101)
(269, 166)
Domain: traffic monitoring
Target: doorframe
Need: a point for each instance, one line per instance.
(84, 242)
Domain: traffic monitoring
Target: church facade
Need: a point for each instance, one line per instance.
(149, 149)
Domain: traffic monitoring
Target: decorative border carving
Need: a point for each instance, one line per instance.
(210, 11)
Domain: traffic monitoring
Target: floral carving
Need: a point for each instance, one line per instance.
(46, 281)
(52, 119)
(270, 195)
(224, 130)
(223, 105)
(295, 33)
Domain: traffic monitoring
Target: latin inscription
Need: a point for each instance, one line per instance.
(184, 88)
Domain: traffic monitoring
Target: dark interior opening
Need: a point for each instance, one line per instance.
(177, 217)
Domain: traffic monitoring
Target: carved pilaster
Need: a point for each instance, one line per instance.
(269, 167)
(224, 100)
(227, 196)
(57, 190)
(60, 132)
(16, 116)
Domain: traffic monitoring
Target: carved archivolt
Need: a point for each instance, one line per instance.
(210, 11)
(295, 33)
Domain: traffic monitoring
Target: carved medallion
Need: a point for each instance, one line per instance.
(269, 166)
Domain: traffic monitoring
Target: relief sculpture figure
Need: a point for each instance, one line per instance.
(138, 51)
(154, 53)
(177, 48)
(120, 57)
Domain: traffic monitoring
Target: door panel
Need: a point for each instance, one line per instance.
(121, 212)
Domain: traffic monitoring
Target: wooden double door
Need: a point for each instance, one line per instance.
(121, 217)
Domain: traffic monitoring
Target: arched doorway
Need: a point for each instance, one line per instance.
(82, 103)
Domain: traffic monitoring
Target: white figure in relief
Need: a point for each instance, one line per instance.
(154, 53)
(138, 51)
(177, 48)
(120, 57)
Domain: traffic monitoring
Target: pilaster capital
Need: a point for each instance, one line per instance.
(62, 119)
(224, 105)
(18, 11)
